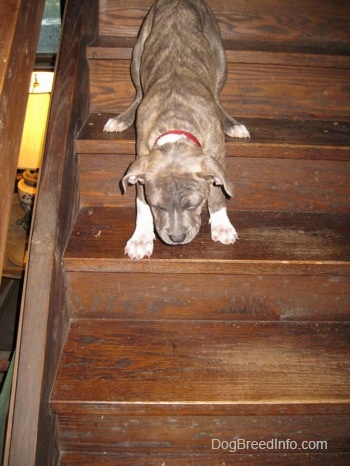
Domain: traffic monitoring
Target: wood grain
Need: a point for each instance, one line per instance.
(45, 315)
(202, 459)
(101, 234)
(275, 242)
(276, 138)
(196, 363)
(141, 362)
(303, 22)
(260, 183)
(133, 434)
(239, 51)
(208, 296)
(252, 90)
(19, 36)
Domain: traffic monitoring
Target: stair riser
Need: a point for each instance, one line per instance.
(194, 435)
(120, 48)
(260, 184)
(311, 23)
(208, 297)
(251, 90)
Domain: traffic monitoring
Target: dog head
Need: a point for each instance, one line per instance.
(177, 183)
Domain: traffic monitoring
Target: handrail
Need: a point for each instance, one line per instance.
(44, 315)
(19, 36)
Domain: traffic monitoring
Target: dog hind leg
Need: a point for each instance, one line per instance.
(127, 118)
(211, 30)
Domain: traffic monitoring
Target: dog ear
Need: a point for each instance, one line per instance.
(213, 171)
(136, 173)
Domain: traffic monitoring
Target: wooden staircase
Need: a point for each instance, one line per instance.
(156, 358)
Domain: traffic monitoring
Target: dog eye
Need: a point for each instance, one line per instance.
(159, 207)
(192, 206)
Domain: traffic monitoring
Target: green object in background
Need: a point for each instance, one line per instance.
(4, 405)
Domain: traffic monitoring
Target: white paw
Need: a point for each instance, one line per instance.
(238, 131)
(224, 234)
(221, 228)
(140, 246)
(141, 242)
(114, 125)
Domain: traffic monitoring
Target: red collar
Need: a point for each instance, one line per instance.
(170, 136)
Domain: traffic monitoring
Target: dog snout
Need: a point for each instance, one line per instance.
(178, 238)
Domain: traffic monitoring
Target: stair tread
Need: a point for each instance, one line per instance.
(145, 458)
(267, 241)
(321, 55)
(319, 139)
(310, 22)
(196, 365)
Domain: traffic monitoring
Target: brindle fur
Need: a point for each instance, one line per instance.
(179, 69)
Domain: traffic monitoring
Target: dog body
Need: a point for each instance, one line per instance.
(178, 69)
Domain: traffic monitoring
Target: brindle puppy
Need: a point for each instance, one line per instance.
(178, 69)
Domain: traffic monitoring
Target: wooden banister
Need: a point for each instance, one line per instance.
(44, 317)
(19, 35)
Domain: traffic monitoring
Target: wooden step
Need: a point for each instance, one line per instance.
(276, 138)
(285, 266)
(240, 51)
(270, 242)
(300, 165)
(202, 459)
(187, 368)
(267, 184)
(207, 341)
(284, 296)
(310, 23)
(275, 68)
(252, 90)
(197, 367)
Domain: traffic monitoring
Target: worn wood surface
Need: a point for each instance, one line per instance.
(209, 297)
(270, 242)
(202, 459)
(251, 90)
(166, 434)
(163, 353)
(19, 35)
(276, 138)
(45, 316)
(277, 236)
(305, 22)
(268, 184)
(215, 366)
(239, 51)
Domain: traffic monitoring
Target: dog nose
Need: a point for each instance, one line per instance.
(178, 238)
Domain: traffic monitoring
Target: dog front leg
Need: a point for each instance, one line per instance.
(141, 242)
(221, 228)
